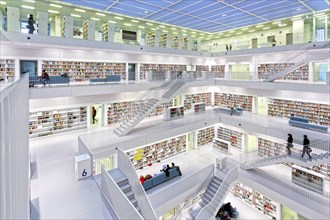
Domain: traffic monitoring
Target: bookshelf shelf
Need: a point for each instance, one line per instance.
(308, 179)
(175, 42)
(190, 99)
(7, 68)
(173, 113)
(255, 199)
(222, 145)
(83, 71)
(157, 152)
(144, 68)
(315, 113)
(301, 74)
(205, 136)
(233, 137)
(229, 100)
(218, 71)
(163, 40)
(199, 107)
(185, 43)
(151, 36)
(45, 123)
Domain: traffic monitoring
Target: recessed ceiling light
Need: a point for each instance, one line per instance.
(100, 14)
(165, 31)
(162, 26)
(244, 29)
(228, 35)
(54, 12)
(113, 22)
(3, 3)
(252, 31)
(175, 32)
(259, 26)
(31, 1)
(282, 25)
(118, 18)
(27, 7)
(202, 34)
(135, 21)
(277, 22)
(142, 27)
(154, 29)
(184, 34)
(149, 24)
(184, 31)
(173, 28)
(95, 19)
(193, 36)
(55, 5)
(127, 24)
(220, 34)
(224, 15)
(146, 12)
(266, 28)
(75, 15)
(239, 33)
(80, 10)
(231, 31)
(298, 9)
(193, 32)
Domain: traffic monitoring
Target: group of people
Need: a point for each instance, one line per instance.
(306, 147)
(228, 48)
(165, 169)
(226, 212)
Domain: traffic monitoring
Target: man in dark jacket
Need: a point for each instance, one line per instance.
(306, 148)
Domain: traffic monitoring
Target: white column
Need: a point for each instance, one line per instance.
(179, 41)
(157, 36)
(298, 31)
(311, 72)
(57, 28)
(13, 22)
(1, 21)
(169, 40)
(111, 34)
(199, 44)
(91, 30)
(189, 43)
(314, 29)
(67, 27)
(42, 23)
(326, 37)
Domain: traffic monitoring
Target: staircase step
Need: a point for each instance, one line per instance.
(217, 181)
(208, 196)
(134, 202)
(212, 189)
(214, 185)
(125, 188)
(129, 194)
(138, 209)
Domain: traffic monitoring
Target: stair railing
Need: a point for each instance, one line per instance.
(186, 203)
(231, 177)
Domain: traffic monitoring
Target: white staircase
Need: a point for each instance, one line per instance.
(171, 88)
(122, 182)
(210, 209)
(317, 159)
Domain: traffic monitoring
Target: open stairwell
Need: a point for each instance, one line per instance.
(122, 182)
(171, 88)
(317, 159)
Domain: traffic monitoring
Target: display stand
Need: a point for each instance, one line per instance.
(222, 145)
(308, 179)
(199, 107)
(173, 113)
(83, 166)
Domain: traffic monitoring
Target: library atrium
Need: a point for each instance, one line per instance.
(165, 109)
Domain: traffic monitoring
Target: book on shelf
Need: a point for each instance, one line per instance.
(229, 100)
(205, 136)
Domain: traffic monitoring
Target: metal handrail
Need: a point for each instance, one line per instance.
(229, 178)
(196, 191)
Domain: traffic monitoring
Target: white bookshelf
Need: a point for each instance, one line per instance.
(173, 113)
(228, 100)
(155, 153)
(234, 137)
(222, 145)
(199, 107)
(88, 28)
(7, 68)
(67, 26)
(308, 179)
(190, 99)
(205, 136)
(55, 121)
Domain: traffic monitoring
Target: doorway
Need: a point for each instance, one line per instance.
(289, 38)
(131, 71)
(107, 162)
(192, 141)
(262, 106)
(255, 43)
(29, 66)
(251, 143)
(95, 118)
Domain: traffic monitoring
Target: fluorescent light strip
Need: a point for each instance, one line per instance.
(141, 27)
(100, 14)
(259, 26)
(266, 28)
(228, 35)
(173, 28)
(3, 3)
(118, 18)
(27, 7)
(127, 24)
(162, 26)
(80, 10)
(149, 24)
(54, 12)
(250, 31)
(56, 6)
(184, 31)
(238, 33)
(75, 15)
(95, 19)
(154, 29)
(135, 21)
(112, 22)
(175, 32)
(165, 31)
(31, 1)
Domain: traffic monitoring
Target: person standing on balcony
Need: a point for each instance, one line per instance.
(289, 144)
(306, 148)
(30, 25)
(93, 114)
(227, 48)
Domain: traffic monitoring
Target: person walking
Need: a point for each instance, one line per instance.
(306, 148)
(230, 47)
(227, 48)
(30, 25)
(93, 114)
(289, 144)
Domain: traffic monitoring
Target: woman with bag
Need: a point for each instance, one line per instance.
(289, 144)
